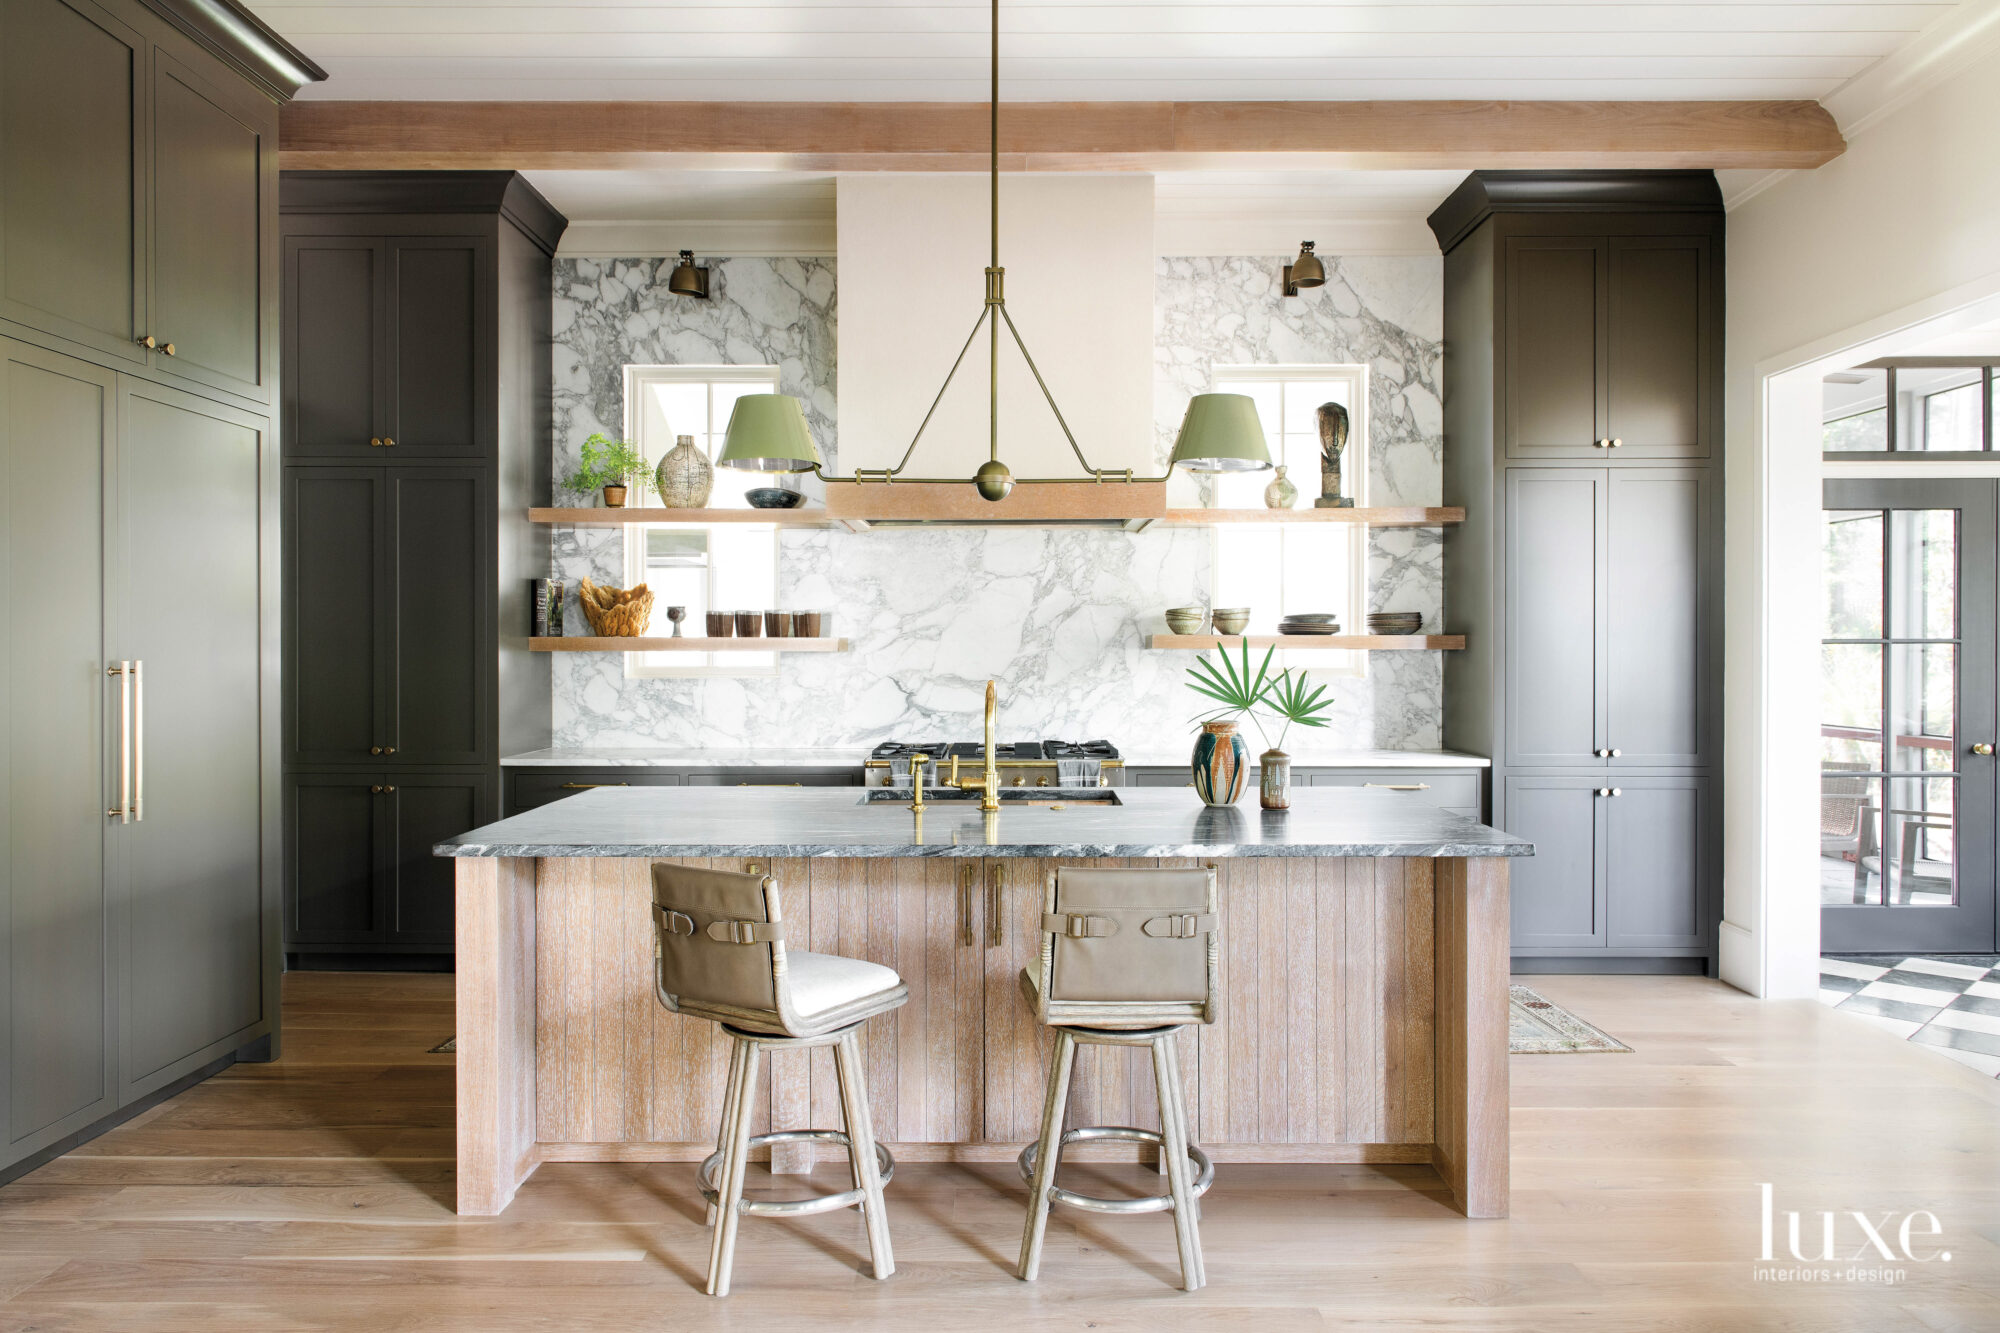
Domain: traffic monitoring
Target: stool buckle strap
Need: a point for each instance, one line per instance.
(1077, 926)
(1180, 926)
(674, 923)
(746, 932)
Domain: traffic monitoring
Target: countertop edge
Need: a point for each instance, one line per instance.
(780, 851)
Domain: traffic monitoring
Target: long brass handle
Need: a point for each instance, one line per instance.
(591, 786)
(138, 672)
(122, 812)
(965, 874)
(1399, 786)
(995, 933)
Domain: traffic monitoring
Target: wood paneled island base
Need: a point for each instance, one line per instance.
(1364, 1016)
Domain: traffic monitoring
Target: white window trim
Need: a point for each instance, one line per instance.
(1349, 664)
(637, 665)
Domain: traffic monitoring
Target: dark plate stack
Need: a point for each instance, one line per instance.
(1395, 622)
(1302, 622)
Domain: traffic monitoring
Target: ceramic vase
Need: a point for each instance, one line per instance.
(1280, 493)
(1274, 780)
(685, 476)
(1221, 763)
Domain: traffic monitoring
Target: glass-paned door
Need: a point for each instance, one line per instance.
(1907, 714)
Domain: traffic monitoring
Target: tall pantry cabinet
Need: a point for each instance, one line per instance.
(1583, 407)
(416, 421)
(139, 910)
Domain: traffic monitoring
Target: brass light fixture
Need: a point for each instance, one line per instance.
(686, 279)
(1226, 440)
(1305, 271)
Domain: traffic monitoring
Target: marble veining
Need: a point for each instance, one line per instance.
(841, 822)
(1057, 616)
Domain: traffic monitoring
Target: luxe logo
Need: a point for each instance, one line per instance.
(1851, 1237)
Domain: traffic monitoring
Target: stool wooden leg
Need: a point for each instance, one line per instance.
(722, 1253)
(1053, 1107)
(861, 1151)
(1173, 1133)
(729, 1094)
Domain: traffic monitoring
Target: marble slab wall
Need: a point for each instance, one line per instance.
(1056, 616)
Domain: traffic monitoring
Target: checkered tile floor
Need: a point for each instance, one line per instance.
(1951, 1004)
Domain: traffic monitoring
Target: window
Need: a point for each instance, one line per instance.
(1281, 568)
(723, 566)
(1916, 405)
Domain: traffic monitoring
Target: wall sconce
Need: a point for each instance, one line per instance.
(1305, 271)
(688, 280)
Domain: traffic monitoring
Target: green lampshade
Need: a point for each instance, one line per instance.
(767, 433)
(1221, 433)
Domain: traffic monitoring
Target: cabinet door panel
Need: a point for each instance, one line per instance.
(72, 178)
(425, 809)
(441, 588)
(192, 869)
(336, 360)
(1557, 895)
(1654, 833)
(441, 350)
(1657, 347)
(1656, 646)
(332, 859)
(1554, 346)
(336, 634)
(1555, 614)
(55, 738)
(207, 267)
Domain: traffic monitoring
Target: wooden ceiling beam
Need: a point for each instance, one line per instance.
(1054, 136)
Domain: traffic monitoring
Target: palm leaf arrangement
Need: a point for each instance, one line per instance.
(1286, 697)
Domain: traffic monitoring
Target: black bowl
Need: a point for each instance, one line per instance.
(773, 497)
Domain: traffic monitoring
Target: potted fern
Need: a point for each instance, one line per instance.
(609, 465)
(1221, 757)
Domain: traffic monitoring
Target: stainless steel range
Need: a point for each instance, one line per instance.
(1023, 764)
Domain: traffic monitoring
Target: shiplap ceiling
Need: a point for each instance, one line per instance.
(1087, 50)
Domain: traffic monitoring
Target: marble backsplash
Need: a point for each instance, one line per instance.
(1056, 616)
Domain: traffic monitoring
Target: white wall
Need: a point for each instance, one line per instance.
(1078, 255)
(1903, 227)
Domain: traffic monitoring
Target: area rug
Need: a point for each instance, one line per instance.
(1537, 1027)
(449, 1048)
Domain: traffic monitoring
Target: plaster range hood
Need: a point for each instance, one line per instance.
(1079, 278)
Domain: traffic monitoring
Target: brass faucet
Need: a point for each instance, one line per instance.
(990, 801)
(917, 783)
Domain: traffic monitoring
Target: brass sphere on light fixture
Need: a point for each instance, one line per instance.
(1305, 271)
(686, 279)
(993, 480)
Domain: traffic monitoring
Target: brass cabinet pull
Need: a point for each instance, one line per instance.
(965, 874)
(388, 443)
(122, 812)
(374, 749)
(147, 342)
(1399, 786)
(388, 749)
(376, 789)
(995, 934)
(374, 442)
(137, 670)
(168, 349)
(387, 790)
(591, 786)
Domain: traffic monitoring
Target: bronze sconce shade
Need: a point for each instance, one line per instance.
(1305, 271)
(688, 280)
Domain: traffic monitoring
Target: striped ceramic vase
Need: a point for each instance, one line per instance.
(1221, 763)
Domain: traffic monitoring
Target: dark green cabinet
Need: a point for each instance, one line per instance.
(1583, 312)
(410, 468)
(361, 874)
(385, 335)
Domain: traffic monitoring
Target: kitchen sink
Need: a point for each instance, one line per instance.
(1035, 796)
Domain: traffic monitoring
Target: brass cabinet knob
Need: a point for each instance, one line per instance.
(1600, 444)
(388, 443)
(1982, 748)
(388, 749)
(1604, 754)
(374, 749)
(377, 789)
(168, 349)
(375, 442)
(1618, 444)
(1616, 753)
(390, 789)
(1604, 791)
(147, 342)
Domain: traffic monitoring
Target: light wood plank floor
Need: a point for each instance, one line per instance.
(314, 1193)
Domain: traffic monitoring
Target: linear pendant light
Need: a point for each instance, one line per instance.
(1216, 436)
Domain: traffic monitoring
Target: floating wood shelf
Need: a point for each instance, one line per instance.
(1375, 643)
(809, 516)
(1405, 516)
(593, 644)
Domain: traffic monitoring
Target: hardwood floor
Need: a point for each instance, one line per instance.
(316, 1193)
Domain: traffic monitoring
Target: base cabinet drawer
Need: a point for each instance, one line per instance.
(528, 788)
(777, 777)
(1458, 792)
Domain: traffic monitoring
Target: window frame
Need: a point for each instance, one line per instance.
(1895, 426)
(731, 665)
(1347, 663)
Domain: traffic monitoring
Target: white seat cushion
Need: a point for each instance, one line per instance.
(819, 982)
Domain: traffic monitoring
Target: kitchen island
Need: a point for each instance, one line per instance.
(1363, 1017)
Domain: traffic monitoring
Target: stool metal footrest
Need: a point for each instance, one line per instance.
(1144, 1203)
(824, 1203)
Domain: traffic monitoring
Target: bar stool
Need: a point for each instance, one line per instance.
(1129, 958)
(722, 956)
